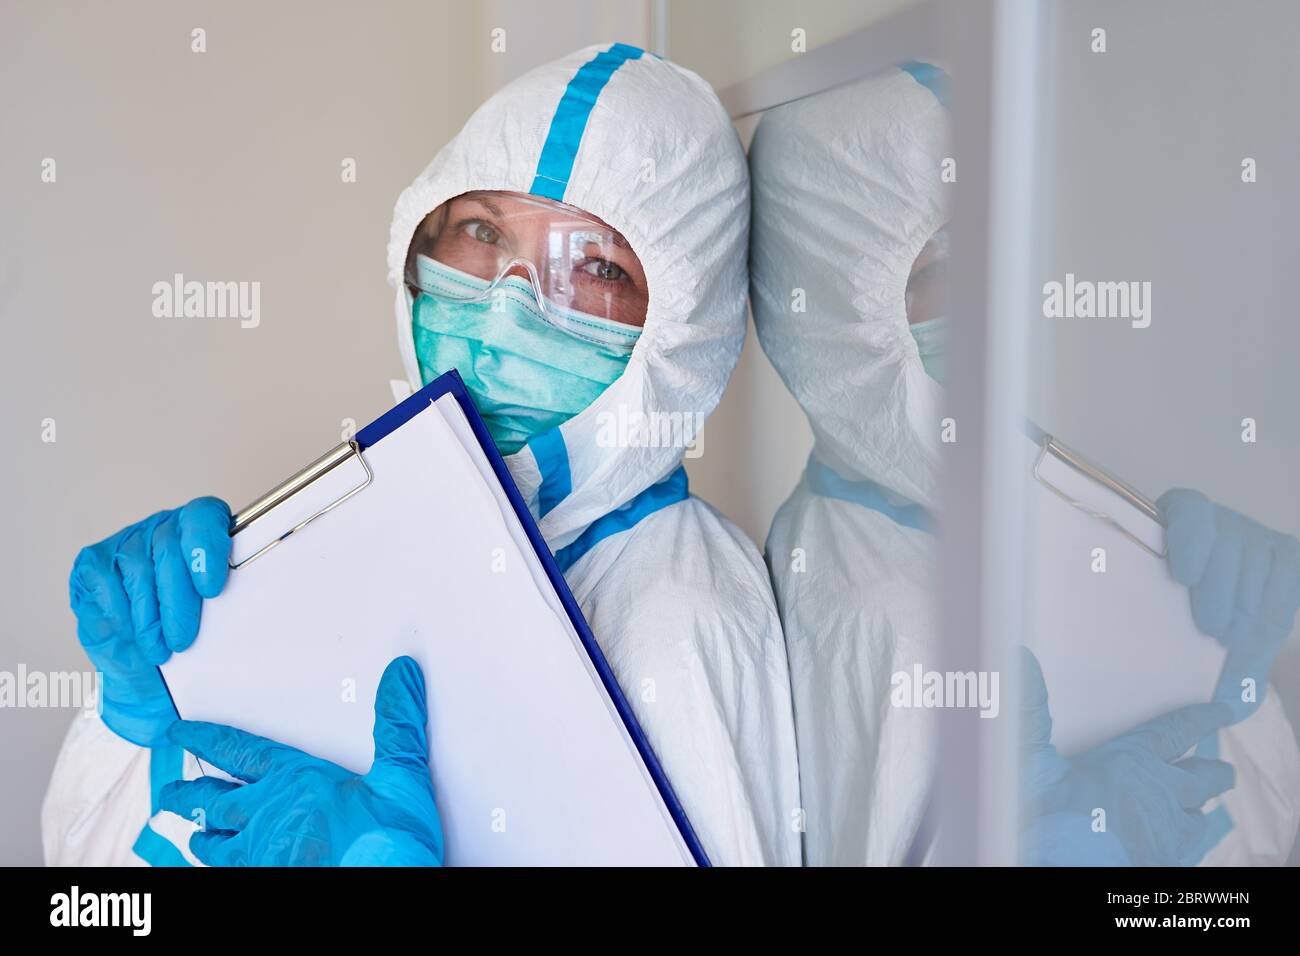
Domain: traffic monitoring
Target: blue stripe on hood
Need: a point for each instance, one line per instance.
(555, 165)
(931, 77)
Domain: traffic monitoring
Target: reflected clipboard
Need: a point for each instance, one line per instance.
(1111, 628)
(413, 539)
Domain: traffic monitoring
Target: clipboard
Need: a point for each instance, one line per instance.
(589, 766)
(1110, 627)
(1148, 535)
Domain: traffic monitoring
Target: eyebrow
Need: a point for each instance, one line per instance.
(491, 206)
(497, 211)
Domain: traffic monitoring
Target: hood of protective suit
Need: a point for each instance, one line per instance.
(847, 192)
(646, 146)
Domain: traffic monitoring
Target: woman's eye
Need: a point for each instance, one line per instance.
(604, 270)
(482, 232)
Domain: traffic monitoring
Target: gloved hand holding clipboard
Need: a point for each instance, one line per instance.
(1122, 640)
(413, 540)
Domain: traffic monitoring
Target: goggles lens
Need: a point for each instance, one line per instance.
(573, 261)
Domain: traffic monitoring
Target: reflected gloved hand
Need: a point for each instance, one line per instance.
(137, 596)
(1150, 798)
(299, 810)
(1244, 582)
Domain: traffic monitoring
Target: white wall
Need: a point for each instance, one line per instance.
(539, 32)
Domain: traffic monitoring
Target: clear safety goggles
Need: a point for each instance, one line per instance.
(573, 261)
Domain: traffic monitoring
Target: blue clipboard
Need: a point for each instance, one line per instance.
(369, 436)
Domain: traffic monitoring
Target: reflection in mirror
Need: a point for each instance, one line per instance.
(847, 285)
(1155, 701)
(927, 304)
(927, 284)
(1151, 699)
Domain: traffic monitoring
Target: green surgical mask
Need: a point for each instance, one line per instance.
(528, 371)
(932, 341)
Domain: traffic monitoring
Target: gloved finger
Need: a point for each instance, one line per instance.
(98, 597)
(1035, 716)
(1281, 598)
(216, 847)
(234, 809)
(205, 541)
(178, 602)
(1214, 597)
(240, 754)
(1256, 641)
(1191, 834)
(1200, 779)
(195, 800)
(1244, 677)
(295, 846)
(135, 564)
(1189, 533)
(1201, 839)
(1256, 638)
(1171, 735)
(391, 848)
(1252, 578)
(401, 715)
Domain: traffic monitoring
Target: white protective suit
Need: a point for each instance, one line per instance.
(676, 595)
(846, 194)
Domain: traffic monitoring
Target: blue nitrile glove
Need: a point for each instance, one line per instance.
(1244, 582)
(1151, 798)
(298, 810)
(137, 597)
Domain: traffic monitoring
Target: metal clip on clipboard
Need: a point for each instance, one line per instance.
(1050, 446)
(287, 489)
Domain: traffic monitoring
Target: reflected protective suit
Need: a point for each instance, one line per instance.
(846, 194)
(677, 597)
(851, 553)
(932, 346)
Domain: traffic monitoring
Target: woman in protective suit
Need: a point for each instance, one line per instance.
(578, 253)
